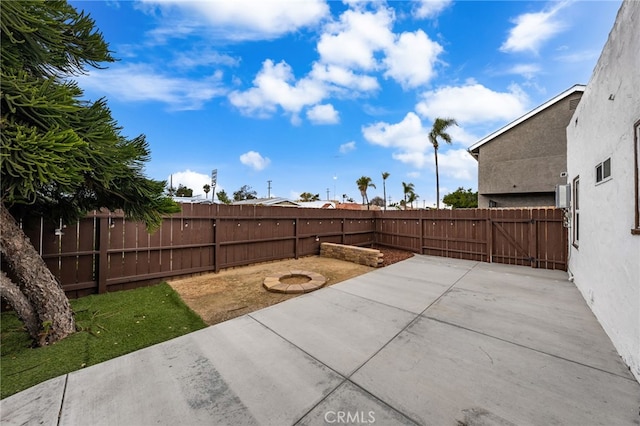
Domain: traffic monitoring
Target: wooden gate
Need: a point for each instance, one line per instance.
(534, 237)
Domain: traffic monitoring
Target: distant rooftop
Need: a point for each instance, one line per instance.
(274, 201)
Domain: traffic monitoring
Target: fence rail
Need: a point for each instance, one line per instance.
(105, 252)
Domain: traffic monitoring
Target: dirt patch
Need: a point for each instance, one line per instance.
(234, 292)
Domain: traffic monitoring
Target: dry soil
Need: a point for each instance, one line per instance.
(230, 293)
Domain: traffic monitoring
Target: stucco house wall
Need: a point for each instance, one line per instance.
(520, 167)
(605, 261)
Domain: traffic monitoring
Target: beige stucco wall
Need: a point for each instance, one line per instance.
(529, 157)
(606, 264)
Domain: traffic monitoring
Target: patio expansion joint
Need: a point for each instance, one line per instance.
(529, 348)
(347, 377)
(374, 301)
(64, 393)
(413, 321)
(347, 380)
(295, 346)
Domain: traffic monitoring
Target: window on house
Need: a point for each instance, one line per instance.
(576, 211)
(603, 171)
(636, 146)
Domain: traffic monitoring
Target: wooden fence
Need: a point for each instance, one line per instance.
(104, 252)
(529, 237)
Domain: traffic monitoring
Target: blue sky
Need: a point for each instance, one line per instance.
(311, 95)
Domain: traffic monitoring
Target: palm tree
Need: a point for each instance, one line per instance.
(363, 184)
(407, 189)
(307, 196)
(412, 197)
(206, 188)
(385, 175)
(438, 130)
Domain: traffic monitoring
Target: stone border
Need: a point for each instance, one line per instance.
(355, 254)
(272, 282)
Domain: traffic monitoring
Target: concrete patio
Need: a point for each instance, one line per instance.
(424, 341)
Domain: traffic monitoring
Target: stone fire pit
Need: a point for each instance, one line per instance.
(294, 282)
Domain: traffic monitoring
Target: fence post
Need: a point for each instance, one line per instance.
(533, 235)
(103, 259)
(216, 246)
(421, 221)
(296, 249)
(489, 238)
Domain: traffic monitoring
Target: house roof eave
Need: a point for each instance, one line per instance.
(474, 149)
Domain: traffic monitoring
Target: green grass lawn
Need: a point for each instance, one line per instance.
(109, 325)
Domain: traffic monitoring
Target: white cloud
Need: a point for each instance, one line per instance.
(407, 137)
(410, 140)
(138, 83)
(430, 8)
(460, 136)
(348, 49)
(473, 103)
(204, 57)
(254, 160)
(353, 40)
(190, 179)
(533, 29)
(274, 87)
(580, 56)
(457, 164)
(323, 114)
(245, 19)
(347, 147)
(415, 158)
(341, 76)
(411, 59)
(528, 71)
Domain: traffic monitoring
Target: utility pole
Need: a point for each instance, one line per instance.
(269, 189)
(214, 182)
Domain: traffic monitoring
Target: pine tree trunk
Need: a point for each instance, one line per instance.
(19, 302)
(36, 282)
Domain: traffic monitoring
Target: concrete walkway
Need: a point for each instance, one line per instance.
(428, 341)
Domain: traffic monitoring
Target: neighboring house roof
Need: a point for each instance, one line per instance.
(318, 204)
(276, 201)
(196, 199)
(475, 148)
(355, 206)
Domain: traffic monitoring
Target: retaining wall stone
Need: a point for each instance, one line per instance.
(359, 255)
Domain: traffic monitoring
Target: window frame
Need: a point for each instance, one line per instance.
(600, 171)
